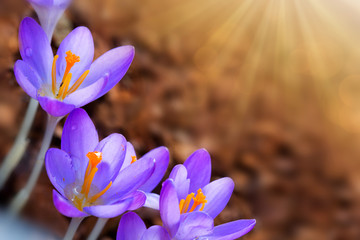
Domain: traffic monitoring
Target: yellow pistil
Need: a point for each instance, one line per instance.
(133, 159)
(64, 90)
(199, 199)
(82, 199)
(53, 74)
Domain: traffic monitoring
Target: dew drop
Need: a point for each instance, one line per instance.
(28, 52)
(106, 76)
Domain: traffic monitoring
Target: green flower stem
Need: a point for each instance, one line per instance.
(17, 151)
(74, 224)
(97, 228)
(22, 197)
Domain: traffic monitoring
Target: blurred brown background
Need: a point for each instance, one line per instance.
(270, 87)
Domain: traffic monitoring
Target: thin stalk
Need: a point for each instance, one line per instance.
(22, 197)
(21, 142)
(73, 226)
(97, 228)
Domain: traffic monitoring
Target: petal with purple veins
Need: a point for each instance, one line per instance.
(139, 198)
(194, 225)
(35, 48)
(129, 180)
(217, 194)
(54, 107)
(156, 233)
(59, 169)
(113, 65)
(113, 149)
(109, 211)
(161, 156)
(198, 166)
(78, 138)
(83, 96)
(169, 207)
(231, 230)
(27, 78)
(131, 227)
(80, 43)
(182, 184)
(130, 153)
(65, 207)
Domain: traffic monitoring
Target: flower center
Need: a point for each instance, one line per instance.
(82, 199)
(64, 90)
(199, 199)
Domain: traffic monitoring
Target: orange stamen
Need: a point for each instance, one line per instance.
(133, 159)
(96, 196)
(181, 204)
(187, 202)
(88, 181)
(78, 82)
(94, 158)
(53, 74)
(64, 90)
(64, 87)
(71, 59)
(198, 200)
(81, 200)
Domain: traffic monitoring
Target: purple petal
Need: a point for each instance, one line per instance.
(48, 14)
(217, 194)
(113, 65)
(54, 107)
(50, 3)
(27, 78)
(113, 149)
(161, 156)
(59, 169)
(156, 233)
(169, 207)
(139, 198)
(131, 227)
(83, 96)
(65, 207)
(130, 152)
(80, 43)
(182, 184)
(109, 211)
(194, 224)
(78, 138)
(35, 48)
(231, 230)
(198, 166)
(129, 180)
(152, 201)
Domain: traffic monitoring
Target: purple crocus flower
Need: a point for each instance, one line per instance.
(49, 13)
(188, 204)
(70, 79)
(88, 174)
(194, 224)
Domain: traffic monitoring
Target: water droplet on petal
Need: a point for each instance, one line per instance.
(28, 52)
(106, 76)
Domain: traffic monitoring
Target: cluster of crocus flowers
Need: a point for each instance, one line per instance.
(185, 214)
(105, 178)
(69, 79)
